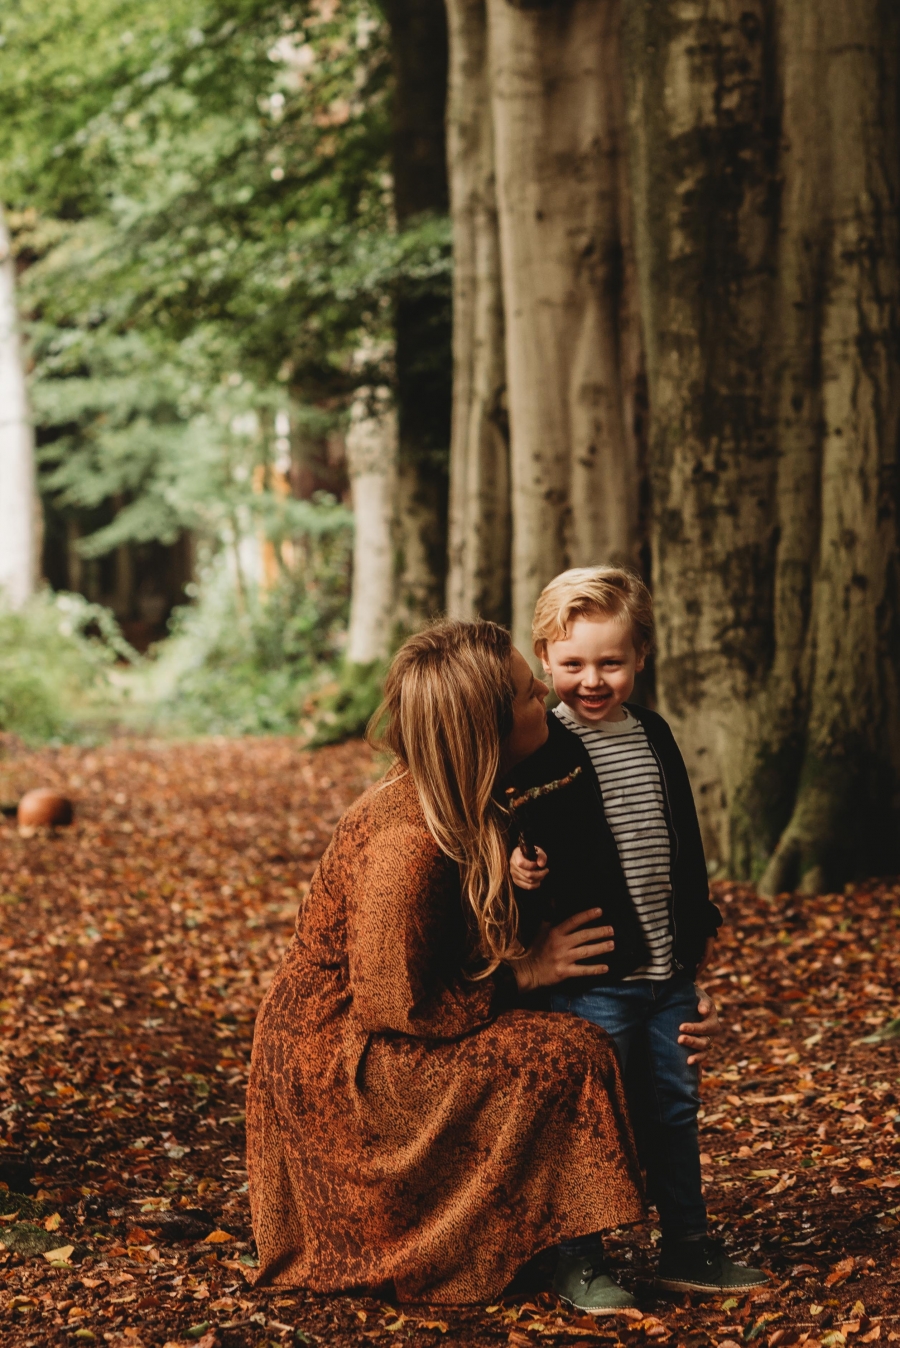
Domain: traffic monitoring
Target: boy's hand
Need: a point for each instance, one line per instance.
(700, 1034)
(528, 874)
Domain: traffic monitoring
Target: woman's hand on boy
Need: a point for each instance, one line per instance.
(700, 1034)
(555, 953)
(528, 874)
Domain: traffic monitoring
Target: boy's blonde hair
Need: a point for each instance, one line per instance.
(593, 592)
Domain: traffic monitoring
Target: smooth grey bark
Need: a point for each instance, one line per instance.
(20, 517)
(478, 580)
(572, 338)
(372, 465)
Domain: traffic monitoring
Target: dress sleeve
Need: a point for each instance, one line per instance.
(406, 944)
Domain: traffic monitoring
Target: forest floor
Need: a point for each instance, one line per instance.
(136, 945)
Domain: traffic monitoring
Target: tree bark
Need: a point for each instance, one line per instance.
(372, 464)
(422, 313)
(765, 170)
(573, 346)
(20, 518)
(701, 159)
(480, 523)
(837, 382)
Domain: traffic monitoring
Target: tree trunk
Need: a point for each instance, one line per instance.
(765, 170)
(422, 312)
(573, 349)
(480, 524)
(837, 596)
(701, 170)
(20, 532)
(372, 464)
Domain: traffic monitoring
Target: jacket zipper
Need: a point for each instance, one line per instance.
(665, 786)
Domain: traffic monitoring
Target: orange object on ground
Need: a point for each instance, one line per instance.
(44, 806)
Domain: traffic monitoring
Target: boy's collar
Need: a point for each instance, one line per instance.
(562, 712)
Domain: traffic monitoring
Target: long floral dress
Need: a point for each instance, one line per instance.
(404, 1130)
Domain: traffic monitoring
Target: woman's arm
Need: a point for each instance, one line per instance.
(406, 942)
(555, 953)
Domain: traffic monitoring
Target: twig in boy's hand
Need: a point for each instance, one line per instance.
(515, 801)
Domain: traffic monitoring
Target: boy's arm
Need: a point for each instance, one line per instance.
(692, 862)
(528, 874)
(699, 1035)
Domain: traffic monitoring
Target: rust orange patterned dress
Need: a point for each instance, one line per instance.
(401, 1130)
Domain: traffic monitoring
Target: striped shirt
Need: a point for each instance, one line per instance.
(632, 792)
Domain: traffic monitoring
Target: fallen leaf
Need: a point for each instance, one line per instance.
(218, 1237)
(841, 1272)
(785, 1183)
(61, 1255)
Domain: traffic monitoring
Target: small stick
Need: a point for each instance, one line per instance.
(516, 802)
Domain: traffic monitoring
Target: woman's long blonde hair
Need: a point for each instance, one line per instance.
(448, 704)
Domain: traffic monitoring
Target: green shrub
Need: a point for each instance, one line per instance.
(244, 661)
(344, 710)
(56, 655)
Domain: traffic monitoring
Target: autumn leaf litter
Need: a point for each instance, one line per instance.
(137, 945)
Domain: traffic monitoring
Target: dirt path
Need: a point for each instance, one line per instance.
(136, 946)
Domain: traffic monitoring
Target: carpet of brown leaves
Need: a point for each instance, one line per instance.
(135, 947)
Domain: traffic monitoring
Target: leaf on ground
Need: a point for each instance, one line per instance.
(841, 1272)
(60, 1255)
(133, 968)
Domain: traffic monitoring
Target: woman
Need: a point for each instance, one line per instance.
(407, 1126)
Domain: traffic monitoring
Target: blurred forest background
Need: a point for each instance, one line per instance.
(319, 319)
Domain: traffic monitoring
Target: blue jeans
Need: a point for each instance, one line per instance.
(663, 1091)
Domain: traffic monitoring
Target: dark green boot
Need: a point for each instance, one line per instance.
(703, 1266)
(583, 1281)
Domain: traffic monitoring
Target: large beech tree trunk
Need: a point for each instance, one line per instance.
(19, 509)
(837, 364)
(766, 183)
(480, 522)
(422, 315)
(573, 353)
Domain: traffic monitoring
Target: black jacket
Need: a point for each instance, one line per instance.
(584, 867)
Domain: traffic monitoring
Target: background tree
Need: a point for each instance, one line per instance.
(19, 510)
(422, 313)
(479, 577)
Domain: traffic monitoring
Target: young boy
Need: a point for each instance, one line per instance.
(624, 834)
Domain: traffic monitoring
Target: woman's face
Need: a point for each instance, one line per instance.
(529, 730)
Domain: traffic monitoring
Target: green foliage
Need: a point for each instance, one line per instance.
(208, 235)
(345, 710)
(56, 654)
(202, 211)
(243, 660)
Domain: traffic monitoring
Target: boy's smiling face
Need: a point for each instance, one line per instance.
(593, 667)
